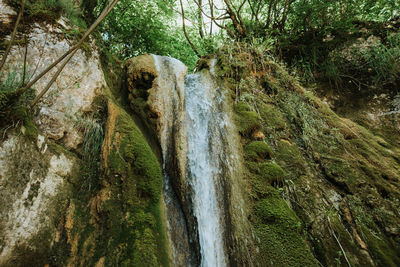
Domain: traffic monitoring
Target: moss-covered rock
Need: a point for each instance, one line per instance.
(279, 234)
(257, 151)
(328, 162)
(268, 173)
(120, 222)
(135, 180)
(247, 120)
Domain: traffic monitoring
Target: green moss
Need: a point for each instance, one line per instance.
(272, 118)
(282, 248)
(274, 210)
(247, 121)
(278, 230)
(143, 162)
(143, 250)
(290, 157)
(257, 151)
(140, 187)
(267, 173)
(381, 251)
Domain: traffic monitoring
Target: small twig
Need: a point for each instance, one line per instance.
(6, 129)
(40, 56)
(337, 240)
(21, 13)
(25, 53)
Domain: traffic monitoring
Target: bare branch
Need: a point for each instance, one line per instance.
(236, 20)
(184, 31)
(25, 54)
(20, 14)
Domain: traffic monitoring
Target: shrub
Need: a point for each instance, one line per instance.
(369, 62)
(50, 11)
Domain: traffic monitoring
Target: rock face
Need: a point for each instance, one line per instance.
(37, 176)
(74, 91)
(79, 185)
(31, 194)
(156, 92)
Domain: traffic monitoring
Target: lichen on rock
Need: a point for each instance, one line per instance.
(31, 193)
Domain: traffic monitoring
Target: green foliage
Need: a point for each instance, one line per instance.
(139, 27)
(366, 63)
(384, 60)
(11, 81)
(93, 133)
(10, 102)
(50, 10)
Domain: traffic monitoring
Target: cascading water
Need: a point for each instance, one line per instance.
(192, 117)
(203, 170)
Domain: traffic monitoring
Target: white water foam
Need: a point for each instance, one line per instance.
(203, 171)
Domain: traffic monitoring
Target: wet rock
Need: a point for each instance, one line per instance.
(157, 96)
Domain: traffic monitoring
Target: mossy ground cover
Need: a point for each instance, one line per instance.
(120, 221)
(132, 160)
(318, 153)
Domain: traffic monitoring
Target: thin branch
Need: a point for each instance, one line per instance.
(337, 240)
(25, 53)
(184, 31)
(200, 19)
(237, 23)
(40, 56)
(211, 4)
(220, 17)
(21, 13)
(253, 13)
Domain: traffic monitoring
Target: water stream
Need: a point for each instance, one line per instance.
(192, 130)
(203, 167)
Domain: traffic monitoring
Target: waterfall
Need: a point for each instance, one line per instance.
(203, 171)
(192, 117)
